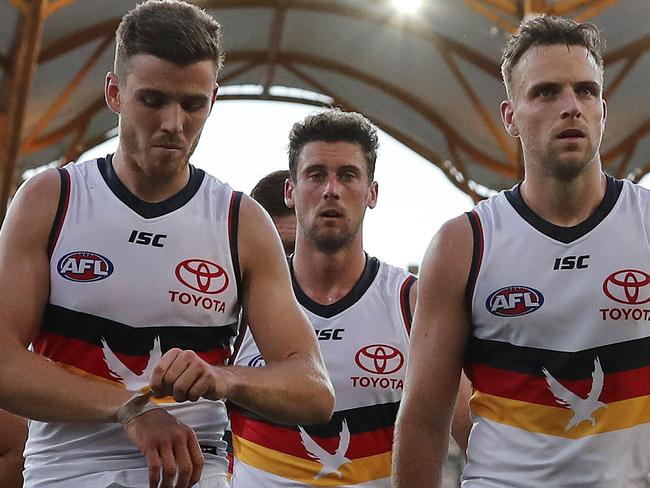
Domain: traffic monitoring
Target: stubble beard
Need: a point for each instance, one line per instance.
(140, 161)
(554, 167)
(330, 243)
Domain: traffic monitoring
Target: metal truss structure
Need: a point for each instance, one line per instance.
(422, 79)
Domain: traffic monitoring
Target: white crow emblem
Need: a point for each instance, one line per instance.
(121, 372)
(331, 462)
(583, 408)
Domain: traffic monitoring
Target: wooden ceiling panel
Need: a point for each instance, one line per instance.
(10, 16)
(431, 80)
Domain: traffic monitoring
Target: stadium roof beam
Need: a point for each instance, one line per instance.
(470, 162)
(275, 38)
(506, 14)
(291, 60)
(67, 92)
(16, 89)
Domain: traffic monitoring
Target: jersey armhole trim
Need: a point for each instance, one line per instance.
(233, 230)
(239, 340)
(405, 304)
(61, 211)
(477, 255)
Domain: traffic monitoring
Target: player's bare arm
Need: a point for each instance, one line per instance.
(45, 391)
(294, 386)
(37, 388)
(437, 349)
(461, 421)
(13, 431)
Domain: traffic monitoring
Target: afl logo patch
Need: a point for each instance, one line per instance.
(84, 266)
(513, 301)
(202, 276)
(257, 362)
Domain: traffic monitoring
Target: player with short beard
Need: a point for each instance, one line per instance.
(360, 308)
(127, 275)
(515, 291)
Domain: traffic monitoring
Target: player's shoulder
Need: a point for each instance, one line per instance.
(456, 230)
(253, 216)
(634, 189)
(392, 271)
(40, 189)
(35, 203)
(450, 252)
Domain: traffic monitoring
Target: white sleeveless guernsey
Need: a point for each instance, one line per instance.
(560, 350)
(129, 281)
(364, 343)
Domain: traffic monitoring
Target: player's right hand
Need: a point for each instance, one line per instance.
(170, 447)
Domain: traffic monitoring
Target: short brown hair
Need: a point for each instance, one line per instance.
(269, 193)
(168, 29)
(545, 30)
(334, 125)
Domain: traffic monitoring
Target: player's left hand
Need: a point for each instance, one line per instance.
(170, 448)
(186, 377)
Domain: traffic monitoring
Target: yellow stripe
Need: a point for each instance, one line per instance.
(86, 374)
(81, 372)
(305, 471)
(553, 420)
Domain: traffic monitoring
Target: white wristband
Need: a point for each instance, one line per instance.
(134, 407)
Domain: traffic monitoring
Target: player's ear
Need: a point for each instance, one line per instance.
(289, 187)
(508, 118)
(112, 92)
(373, 193)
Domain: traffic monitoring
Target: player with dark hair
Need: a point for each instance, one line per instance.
(359, 307)
(269, 193)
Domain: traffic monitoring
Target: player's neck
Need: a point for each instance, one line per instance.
(151, 187)
(565, 203)
(328, 277)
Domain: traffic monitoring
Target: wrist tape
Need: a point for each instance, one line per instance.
(134, 407)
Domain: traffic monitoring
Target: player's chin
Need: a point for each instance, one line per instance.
(567, 167)
(331, 242)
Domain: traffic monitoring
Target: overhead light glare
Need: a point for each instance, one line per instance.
(407, 6)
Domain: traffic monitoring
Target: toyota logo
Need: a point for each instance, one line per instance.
(379, 359)
(203, 276)
(629, 286)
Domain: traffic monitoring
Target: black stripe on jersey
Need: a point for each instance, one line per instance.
(477, 255)
(61, 211)
(133, 340)
(354, 295)
(233, 229)
(614, 358)
(145, 209)
(227, 438)
(360, 420)
(405, 303)
(566, 234)
(242, 329)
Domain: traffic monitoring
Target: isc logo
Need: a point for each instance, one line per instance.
(146, 238)
(330, 334)
(513, 301)
(571, 262)
(84, 266)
